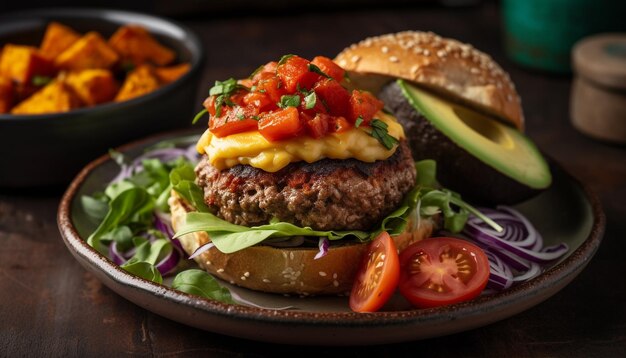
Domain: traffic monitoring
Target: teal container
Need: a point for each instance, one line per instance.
(540, 33)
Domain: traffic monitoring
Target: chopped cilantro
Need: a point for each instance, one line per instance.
(358, 122)
(380, 133)
(315, 69)
(289, 101)
(223, 90)
(199, 115)
(284, 59)
(310, 100)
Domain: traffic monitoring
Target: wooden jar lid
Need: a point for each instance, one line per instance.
(602, 59)
(598, 101)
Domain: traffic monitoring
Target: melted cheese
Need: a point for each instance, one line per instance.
(253, 149)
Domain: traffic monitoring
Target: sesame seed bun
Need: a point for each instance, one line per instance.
(285, 270)
(446, 66)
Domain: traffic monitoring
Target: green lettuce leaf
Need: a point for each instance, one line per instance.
(132, 205)
(182, 179)
(198, 282)
(144, 270)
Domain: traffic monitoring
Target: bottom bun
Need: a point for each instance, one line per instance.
(291, 270)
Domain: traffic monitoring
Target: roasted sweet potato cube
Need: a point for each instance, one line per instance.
(55, 97)
(140, 81)
(22, 63)
(57, 39)
(171, 73)
(90, 51)
(93, 86)
(135, 44)
(6, 94)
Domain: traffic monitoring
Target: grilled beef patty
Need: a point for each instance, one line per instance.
(329, 194)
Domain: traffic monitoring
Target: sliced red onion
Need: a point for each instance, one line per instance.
(119, 257)
(533, 271)
(201, 250)
(163, 154)
(501, 276)
(518, 249)
(323, 245)
(169, 262)
(115, 255)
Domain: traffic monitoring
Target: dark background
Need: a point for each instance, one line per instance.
(50, 306)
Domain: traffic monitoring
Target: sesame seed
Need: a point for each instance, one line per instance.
(384, 49)
(220, 270)
(426, 53)
(394, 59)
(243, 278)
(266, 280)
(231, 282)
(334, 275)
(343, 63)
(322, 273)
(208, 262)
(335, 283)
(355, 58)
(291, 255)
(247, 274)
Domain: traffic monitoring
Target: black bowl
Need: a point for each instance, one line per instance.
(50, 149)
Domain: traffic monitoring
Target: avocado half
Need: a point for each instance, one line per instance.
(484, 160)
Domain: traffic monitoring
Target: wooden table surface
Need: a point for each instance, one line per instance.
(50, 306)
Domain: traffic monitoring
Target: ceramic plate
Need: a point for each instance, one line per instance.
(568, 212)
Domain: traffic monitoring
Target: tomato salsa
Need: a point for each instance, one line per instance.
(290, 98)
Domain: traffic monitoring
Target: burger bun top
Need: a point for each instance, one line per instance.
(446, 66)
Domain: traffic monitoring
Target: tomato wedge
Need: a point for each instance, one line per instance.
(441, 271)
(378, 276)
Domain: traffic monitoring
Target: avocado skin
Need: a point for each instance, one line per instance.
(457, 170)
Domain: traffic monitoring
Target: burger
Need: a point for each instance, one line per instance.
(298, 174)
(303, 164)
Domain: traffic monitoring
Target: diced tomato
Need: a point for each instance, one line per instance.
(377, 277)
(294, 73)
(233, 120)
(340, 124)
(329, 67)
(272, 87)
(365, 105)
(268, 68)
(209, 104)
(281, 124)
(259, 100)
(317, 126)
(246, 82)
(238, 98)
(334, 96)
(441, 271)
